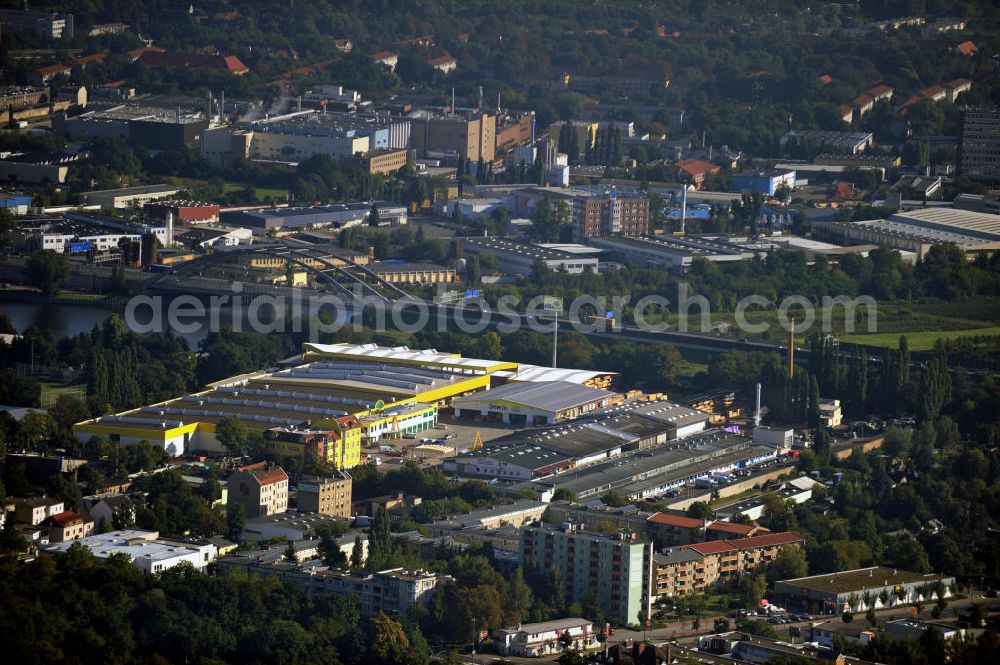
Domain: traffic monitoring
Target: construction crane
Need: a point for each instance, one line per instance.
(477, 443)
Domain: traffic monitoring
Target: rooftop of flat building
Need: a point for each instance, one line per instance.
(685, 245)
(554, 626)
(320, 209)
(874, 577)
(135, 544)
(634, 472)
(162, 188)
(406, 355)
(406, 266)
(522, 249)
(544, 396)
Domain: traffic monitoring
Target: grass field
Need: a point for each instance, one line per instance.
(262, 192)
(51, 392)
(923, 323)
(918, 341)
(276, 193)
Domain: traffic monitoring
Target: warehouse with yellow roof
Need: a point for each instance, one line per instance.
(341, 397)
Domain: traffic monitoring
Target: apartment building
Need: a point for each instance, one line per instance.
(48, 26)
(616, 568)
(531, 640)
(36, 511)
(261, 488)
(326, 496)
(666, 529)
(339, 446)
(391, 592)
(979, 145)
(611, 213)
(699, 567)
(68, 525)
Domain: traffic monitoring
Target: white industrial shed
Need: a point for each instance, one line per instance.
(534, 403)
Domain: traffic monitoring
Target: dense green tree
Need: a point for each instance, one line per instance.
(45, 269)
(751, 589)
(236, 517)
(788, 564)
(380, 538)
(19, 390)
(232, 434)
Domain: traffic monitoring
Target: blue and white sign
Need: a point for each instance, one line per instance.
(79, 247)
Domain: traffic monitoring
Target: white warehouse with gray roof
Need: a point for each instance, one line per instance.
(534, 403)
(518, 258)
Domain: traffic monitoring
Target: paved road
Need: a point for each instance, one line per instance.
(950, 614)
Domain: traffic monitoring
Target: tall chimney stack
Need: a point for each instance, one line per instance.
(684, 205)
(756, 415)
(170, 229)
(791, 350)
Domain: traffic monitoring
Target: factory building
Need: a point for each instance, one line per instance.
(185, 212)
(534, 404)
(37, 167)
(125, 197)
(302, 134)
(155, 123)
(416, 274)
(918, 230)
(386, 160)
(651, 472)
(519, 258)
(335, 215)
(342, 395)
(672, 253)
(502, 371)
(323, 409)
(538, 453)
(471, 136)
(80, 233)
(851, 143)
(75, 238)
(766, 182)
(511, 461)
(832, 592)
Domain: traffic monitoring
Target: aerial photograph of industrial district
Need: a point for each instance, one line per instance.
(500, 332)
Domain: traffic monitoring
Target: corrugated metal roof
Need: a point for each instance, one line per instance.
(545, 396)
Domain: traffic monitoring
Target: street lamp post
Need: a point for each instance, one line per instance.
(475, 638)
